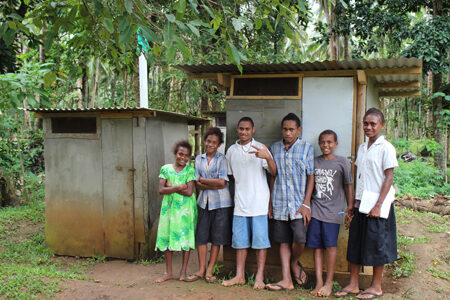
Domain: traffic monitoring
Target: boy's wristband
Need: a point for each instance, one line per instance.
(303, 204)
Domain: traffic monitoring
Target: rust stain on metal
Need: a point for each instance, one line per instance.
(71, 229)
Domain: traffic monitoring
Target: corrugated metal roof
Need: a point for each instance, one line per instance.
(354, 64)
(118, 110)
(403, 76)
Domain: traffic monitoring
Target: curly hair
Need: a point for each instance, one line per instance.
(215, 131)
(182, 144)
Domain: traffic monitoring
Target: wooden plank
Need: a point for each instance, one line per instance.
(355, 97)
(362, 78)
(224, 79)
(194, 131)
(329, 73)
(115, 115)
(265, 97)
(360, 111)
(273, 75)
(398, 84)
(202, 76)
(393, 71)
(399, 94)
(197, 139)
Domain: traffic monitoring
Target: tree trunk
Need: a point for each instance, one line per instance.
(84, 86)
(125, 88)
(330, 17)
(80, 92)
(406, 119)
(440, 158)
(94, 88)
(346, 49)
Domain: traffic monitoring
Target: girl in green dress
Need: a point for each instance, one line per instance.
(178, 217)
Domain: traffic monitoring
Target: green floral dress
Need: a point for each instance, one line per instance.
(178, 217)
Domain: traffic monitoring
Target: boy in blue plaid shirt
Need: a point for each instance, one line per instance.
(290, 200)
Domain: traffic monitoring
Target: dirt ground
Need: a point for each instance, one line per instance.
(117, 279)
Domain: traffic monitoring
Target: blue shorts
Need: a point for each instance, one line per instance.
(250, 232)
(322, 234)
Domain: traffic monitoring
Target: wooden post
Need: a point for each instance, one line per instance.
(361, 101)
(197, 139)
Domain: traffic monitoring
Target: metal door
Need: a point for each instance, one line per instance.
(118, 198)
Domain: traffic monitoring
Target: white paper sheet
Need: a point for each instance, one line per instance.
(369, 199)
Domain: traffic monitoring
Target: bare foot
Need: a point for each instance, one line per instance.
(234, 281)
(370, 293)
(164, 278)
(300, 275)
(259, 285)
(315, 291)
(349, 290)
(182, 277)
(287, 284)
(325, 291)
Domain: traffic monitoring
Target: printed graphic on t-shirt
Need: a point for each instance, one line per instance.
(324, 179)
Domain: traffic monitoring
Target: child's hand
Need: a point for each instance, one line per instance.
(348, 217)
(374, 212)
(182, 187)
(306, 214)
(262, 152)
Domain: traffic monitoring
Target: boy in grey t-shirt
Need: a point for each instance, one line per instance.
(333, 186)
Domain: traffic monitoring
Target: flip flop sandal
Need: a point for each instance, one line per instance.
(210, 279)
(375, 296)
(299, 277)
(279, 286)
(192, 278)
(347, 293)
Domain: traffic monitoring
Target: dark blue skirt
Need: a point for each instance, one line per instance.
(372, 242)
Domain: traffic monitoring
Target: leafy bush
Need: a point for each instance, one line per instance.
(419, 179)
(401, 145)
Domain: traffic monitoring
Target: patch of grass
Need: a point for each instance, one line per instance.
(403, 240)
(153, 261)
(436, 228)
(251, 280)
(336, 287)
(216, 269)
(440, 289)
(27, 267)
(437, 273)
(404, 266)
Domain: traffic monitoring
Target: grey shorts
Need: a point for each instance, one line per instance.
(292, 231)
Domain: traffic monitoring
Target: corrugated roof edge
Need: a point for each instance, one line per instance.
(117, 109)
(305, 66)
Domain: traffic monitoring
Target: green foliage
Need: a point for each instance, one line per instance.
(418, 178)
(437, 273)
(401, 145)
(23, 86)
(216, 269)
(432, 146)
(404, 266)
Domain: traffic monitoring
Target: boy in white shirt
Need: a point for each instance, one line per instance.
(248, 161)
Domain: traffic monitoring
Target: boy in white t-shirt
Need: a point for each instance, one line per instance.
(248, 161)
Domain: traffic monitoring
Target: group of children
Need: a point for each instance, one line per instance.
(302, 204)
